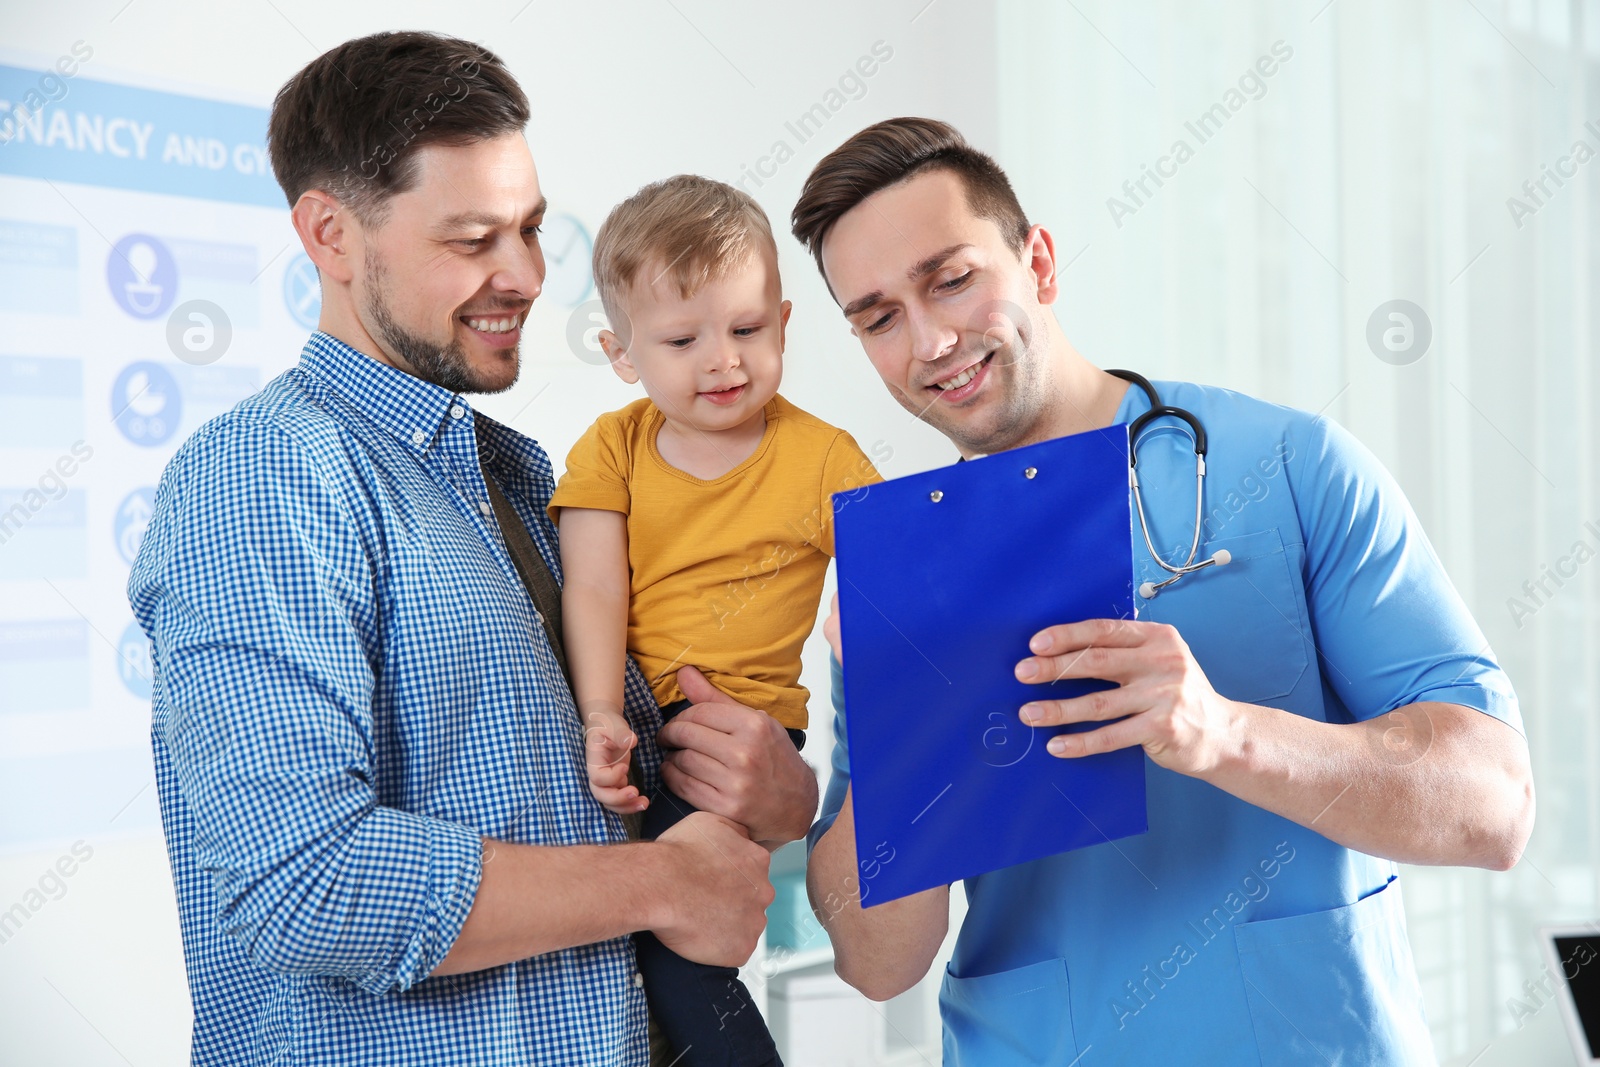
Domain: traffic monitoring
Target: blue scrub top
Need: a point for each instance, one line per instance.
(1227, 934)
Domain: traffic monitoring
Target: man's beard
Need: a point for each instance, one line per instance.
(445, 367)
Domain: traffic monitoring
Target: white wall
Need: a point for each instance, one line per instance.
(622, 93)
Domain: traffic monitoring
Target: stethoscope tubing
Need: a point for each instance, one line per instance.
(1158, 410)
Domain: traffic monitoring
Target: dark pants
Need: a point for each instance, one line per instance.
(705, 1012)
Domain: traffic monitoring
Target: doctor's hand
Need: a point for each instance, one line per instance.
(1163, 698)
(736, 762)
(830, 630)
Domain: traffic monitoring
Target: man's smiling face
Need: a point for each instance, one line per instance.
(949, 312)
(453, 265)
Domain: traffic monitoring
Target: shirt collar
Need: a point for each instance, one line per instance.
(401, 403)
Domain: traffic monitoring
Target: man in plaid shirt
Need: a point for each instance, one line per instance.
(369, 761)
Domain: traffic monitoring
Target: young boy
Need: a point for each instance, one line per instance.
(696, 526)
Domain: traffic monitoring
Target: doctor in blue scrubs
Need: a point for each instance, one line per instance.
(1314, 711)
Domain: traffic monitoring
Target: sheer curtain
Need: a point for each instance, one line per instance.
(1240, 192)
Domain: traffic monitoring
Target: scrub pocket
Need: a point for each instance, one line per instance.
(1246, 622)
(1022, 1016)
(1336, 987)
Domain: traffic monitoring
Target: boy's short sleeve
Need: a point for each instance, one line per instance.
(848, 473)
(597, 470)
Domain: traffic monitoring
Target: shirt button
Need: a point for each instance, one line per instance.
(456, 411)
(419, 438)
(485, 507)
(638, 980)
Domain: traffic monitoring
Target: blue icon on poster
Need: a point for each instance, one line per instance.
(146, 404)
(302, 292)
(133, 662)
(142, 275)
(133, 516)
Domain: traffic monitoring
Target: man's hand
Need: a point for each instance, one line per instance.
(701, 887)
(608, 741)
(737, 763)
(718, 920)
(1163, 698)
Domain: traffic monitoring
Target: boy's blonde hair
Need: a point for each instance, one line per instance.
(691, 229)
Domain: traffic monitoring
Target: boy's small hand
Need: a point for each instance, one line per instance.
(608, 744)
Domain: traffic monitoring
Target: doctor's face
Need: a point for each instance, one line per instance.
(951, 315)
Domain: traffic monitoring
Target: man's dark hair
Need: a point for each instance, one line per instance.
(890, 152)
(351, 121)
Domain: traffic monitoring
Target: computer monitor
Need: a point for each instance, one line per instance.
(1573, 955)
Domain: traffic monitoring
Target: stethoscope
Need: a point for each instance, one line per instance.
(1197, 434)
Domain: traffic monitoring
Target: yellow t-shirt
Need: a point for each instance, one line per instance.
(727, 574)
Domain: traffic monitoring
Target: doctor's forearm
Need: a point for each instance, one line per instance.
(882, 951)
(1435, 784)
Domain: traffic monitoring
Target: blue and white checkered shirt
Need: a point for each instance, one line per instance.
(353, 688)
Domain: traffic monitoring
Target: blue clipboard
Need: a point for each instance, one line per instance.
(943, 578)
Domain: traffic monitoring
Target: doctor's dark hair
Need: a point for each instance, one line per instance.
(890, 152)
(351, 121)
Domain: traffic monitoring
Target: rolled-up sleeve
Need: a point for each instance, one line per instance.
(257, 593)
